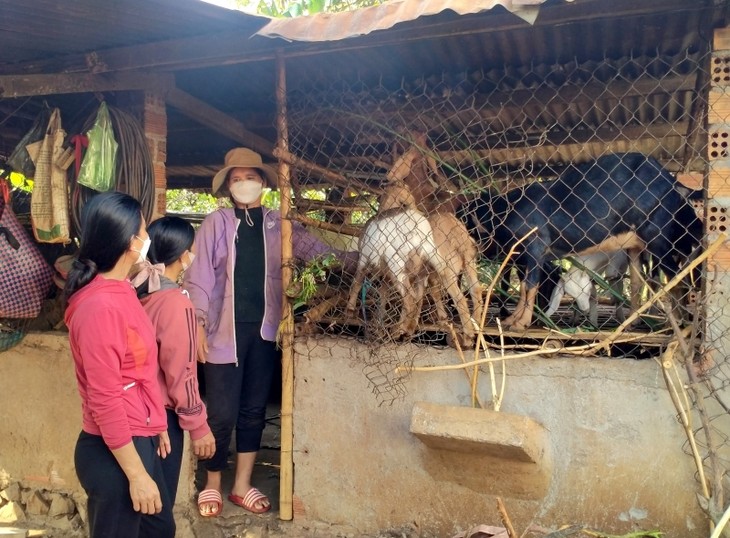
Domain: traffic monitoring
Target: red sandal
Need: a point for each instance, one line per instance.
(210, 496)
(248, 501)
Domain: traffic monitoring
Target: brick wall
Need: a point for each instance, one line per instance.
(155, 128)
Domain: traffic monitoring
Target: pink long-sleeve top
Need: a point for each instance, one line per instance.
(173, 316)
(115, 354)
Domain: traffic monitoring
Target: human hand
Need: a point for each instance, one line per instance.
(204, 447)
(165, 447)
(202, 345)
(145, 495)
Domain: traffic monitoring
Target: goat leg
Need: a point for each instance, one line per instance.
(355, 291)
(521, 318)
(635, 277)
(450, 281)
(475, 289)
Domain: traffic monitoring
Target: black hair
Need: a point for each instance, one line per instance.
(171, 237)
(109, 221)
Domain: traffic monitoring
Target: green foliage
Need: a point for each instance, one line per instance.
(305, 280)
(187, 201)
(298, 8)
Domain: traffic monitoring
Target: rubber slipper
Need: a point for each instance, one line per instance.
(210, 496)
(248, 501)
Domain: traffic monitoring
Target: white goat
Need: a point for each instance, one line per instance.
(577, 282)
(398, 244)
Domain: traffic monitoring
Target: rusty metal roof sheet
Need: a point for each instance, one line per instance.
(337, 26)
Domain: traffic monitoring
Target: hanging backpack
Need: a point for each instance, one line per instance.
(25, 276)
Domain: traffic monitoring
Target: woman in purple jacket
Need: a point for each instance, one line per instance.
(235, 284)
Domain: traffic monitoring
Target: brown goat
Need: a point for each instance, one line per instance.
(414, 180)
(399, 244)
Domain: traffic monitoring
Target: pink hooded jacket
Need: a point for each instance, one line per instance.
(115, 353)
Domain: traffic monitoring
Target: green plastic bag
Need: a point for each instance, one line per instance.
(99, 165)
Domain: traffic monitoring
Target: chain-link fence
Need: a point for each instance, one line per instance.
(560, 158)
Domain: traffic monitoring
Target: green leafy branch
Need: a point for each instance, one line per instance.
(305, 280)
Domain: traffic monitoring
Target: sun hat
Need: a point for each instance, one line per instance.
(242, 158)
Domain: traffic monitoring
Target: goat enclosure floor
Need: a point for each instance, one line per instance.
(645, 342)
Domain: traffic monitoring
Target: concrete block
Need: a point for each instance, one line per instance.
(11, 513)
(479, 431)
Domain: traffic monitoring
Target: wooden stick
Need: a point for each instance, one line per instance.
(669, 367)
(346, 229)
(571, 350)
(496, 400)
(505, 519)
(472, 378)
(332, 177)
(286, 328)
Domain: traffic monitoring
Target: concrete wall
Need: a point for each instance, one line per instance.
(41, 420)
(614, 458)
(41, 412)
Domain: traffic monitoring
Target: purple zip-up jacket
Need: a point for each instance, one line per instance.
(209, 279)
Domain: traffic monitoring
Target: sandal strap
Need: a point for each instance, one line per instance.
(210, 495)
(253, 496)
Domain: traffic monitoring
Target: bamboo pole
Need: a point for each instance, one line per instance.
(286, 328)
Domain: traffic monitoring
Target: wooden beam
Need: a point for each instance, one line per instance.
(213, 118)
(13, 86)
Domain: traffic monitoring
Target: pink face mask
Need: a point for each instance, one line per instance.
(246, 191)
(191, 257)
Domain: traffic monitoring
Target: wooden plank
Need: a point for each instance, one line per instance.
(211, 117)
(720, 260)
(719, 106)
(691, 180)
(13, 86)
(721, 39)
(718, 182)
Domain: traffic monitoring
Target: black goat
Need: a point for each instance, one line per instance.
(620, 201)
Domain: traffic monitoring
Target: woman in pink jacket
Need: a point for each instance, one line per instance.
(115, 354)
(173, 317)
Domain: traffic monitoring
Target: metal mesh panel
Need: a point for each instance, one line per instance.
(396, 167)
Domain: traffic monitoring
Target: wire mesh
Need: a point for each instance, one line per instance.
(396, 167)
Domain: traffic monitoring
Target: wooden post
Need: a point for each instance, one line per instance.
(286, 328)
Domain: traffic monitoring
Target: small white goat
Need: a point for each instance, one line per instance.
(577, 282)
(398, 244)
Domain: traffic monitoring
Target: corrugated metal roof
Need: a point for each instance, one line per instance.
(42, 29)
(425, 70)
(337, 26)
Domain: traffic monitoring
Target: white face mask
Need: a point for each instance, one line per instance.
(186, 266)
(144, 250)
(246, 191)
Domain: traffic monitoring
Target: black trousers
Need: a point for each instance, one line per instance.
(111, 514)
(173, 462)
(237, 395)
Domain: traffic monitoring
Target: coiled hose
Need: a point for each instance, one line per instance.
(134, 171)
